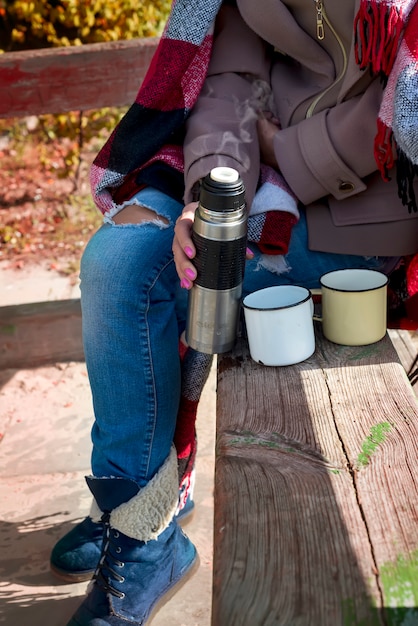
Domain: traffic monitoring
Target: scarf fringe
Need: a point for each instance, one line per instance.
(383, 149)
(378, 28)
(405, 175)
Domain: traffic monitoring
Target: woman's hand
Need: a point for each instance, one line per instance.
(267, 127)
(183, 248)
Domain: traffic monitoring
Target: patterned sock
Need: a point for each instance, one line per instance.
(195, 368)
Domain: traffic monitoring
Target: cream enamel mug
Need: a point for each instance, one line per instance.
(354, 306)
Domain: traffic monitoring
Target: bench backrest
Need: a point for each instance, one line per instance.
(57, 80)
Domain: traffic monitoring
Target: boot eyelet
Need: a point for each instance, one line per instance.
(122, 579)
(115, 534)
(122, 595)
(118, 550)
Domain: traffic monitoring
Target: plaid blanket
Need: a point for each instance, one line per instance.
(145, 147)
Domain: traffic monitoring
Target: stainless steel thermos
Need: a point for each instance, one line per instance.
(220, 237)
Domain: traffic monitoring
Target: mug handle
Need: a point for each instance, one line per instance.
(315, 292)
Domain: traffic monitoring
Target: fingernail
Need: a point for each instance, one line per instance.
(190, 273)
(249, 252)
(188, 251)
(185, 284)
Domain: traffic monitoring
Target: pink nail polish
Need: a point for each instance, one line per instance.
(185, 284)
(190, 273)
(188, 251)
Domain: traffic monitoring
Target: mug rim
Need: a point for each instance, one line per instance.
(354, 290)
(277, 308)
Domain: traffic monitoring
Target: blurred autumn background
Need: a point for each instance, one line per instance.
(46, 212)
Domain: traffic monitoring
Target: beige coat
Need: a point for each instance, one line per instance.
(327, 109)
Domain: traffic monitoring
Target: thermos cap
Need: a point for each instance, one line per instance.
(222, 190)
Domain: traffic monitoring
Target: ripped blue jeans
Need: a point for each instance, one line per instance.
(133, 313)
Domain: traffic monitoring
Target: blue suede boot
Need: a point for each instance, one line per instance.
(75, 556)
(145, 554)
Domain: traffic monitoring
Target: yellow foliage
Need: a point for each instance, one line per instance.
(38, 24)
(25, 25)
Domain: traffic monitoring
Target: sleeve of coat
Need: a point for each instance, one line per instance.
(332, 151)
(221, 128)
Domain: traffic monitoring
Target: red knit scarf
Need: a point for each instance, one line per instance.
(387, 44)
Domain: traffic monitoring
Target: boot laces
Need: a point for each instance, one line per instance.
(105, 569)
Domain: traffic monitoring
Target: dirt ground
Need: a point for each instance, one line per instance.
(46, 211)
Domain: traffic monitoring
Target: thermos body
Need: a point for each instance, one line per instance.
(220, 238)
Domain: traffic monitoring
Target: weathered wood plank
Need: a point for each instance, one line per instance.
(56, 80)
(41, 333)
(305, 531)
(379, 431)
(406, 348)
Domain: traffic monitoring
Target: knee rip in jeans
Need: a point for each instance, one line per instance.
(137, 215)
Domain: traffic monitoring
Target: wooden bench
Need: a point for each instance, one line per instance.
(316, 490)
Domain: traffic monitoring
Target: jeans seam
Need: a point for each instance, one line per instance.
(151, 362)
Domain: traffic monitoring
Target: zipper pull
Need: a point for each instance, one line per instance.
(320, 33)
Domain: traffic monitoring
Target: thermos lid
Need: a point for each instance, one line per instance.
(224, 175)
(222, 190)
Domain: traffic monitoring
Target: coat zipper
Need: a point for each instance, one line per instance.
(320, 33)
(321, 19)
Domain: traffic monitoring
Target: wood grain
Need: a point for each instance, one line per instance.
(40, 333)
(406, 345)
(315, 523)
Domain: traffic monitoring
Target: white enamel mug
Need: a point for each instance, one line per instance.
(279, 323)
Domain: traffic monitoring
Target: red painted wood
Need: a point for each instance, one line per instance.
(56, 80)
